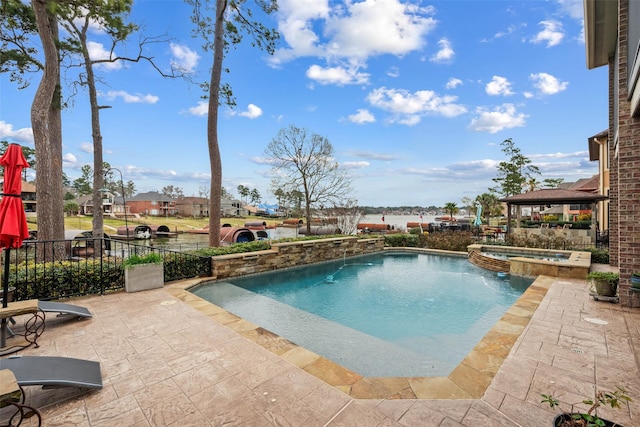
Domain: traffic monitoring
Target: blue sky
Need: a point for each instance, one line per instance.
(414, 96)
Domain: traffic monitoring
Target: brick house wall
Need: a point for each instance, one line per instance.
(628, 164)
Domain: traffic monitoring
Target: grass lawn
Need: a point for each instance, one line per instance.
(174, 224)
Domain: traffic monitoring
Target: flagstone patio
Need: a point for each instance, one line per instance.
(169, 360)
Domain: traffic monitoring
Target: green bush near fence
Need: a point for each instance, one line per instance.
(64, 279)
(256, 245)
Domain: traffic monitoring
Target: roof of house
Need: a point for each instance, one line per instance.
(594, 143)
(151, 196)
(586, 184)
(601, 31)
(553, 196)
(192, 199)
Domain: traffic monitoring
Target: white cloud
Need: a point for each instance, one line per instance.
(453, 83)
(502, 117)
(24, 135)
(445, 53)
(354, 165)
(372, 155)
(98, 52)
(202, 109)
(362, 116)
(295, 23)
(407, 108)
(559, 155)
(86, 147)
(339, 76)
(499, 86)
(69, 161)
(552, 33)
(547, 84)
(252, 112)
(393, 72)
(573, 8)
(131, 99)
(354, 30)
(184, 59)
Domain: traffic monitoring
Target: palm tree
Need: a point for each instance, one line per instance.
(451, 208)
(532, 185)
(490, 205)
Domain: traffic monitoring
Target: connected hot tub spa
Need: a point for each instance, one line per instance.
(531, 262)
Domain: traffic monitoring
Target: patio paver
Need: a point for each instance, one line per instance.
(168, 361)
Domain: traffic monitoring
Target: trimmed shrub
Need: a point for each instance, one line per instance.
(599, 256)
(402, 240)
(551, 241)
(449, 240)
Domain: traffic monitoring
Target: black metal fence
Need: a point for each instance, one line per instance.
(48, 270)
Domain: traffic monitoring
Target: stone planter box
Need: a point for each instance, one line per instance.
(143, 277)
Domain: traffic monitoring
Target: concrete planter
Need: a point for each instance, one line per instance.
(142, 277)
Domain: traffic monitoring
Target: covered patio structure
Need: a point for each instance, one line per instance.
(555, 196)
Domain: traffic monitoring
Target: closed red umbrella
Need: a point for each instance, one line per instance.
(13, 221)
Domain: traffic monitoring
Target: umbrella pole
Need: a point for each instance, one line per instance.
(5, 299)
(5, 279)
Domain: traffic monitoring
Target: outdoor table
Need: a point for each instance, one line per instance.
(11, 394)
(34, 325)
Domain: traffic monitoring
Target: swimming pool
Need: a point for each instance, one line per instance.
(396, 314)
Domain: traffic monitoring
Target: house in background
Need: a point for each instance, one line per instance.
(152, 203)
(232, 207)
(574, 210)
(28, 196)
(197, 207)
(612, 38)
(112, 205)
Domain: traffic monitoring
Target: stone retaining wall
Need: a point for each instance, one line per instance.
(489, 263)
(292, 254)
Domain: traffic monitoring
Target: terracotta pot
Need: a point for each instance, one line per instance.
(565, 420)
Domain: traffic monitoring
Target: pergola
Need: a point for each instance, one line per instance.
(551, 196)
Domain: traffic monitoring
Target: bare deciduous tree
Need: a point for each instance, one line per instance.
(347, 215)
(305, 162)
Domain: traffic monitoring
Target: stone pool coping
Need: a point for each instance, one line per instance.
(469, 380)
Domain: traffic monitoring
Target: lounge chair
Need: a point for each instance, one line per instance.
(53, 371)
(63, 309)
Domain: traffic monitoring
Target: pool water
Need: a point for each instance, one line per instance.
(393, 314)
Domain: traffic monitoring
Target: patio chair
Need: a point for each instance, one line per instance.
(64, 309)
(53, 371)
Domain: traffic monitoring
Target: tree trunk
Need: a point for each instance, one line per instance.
(98, 172)
(212, 125)
(47, 134)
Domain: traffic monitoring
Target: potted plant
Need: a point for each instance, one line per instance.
(143, 272)
(614, 399)
(605, 282)
(635, 280)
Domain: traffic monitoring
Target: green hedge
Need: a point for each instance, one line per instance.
(64, 279)
(599, 256)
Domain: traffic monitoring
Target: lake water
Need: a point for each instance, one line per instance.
(188, 241)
